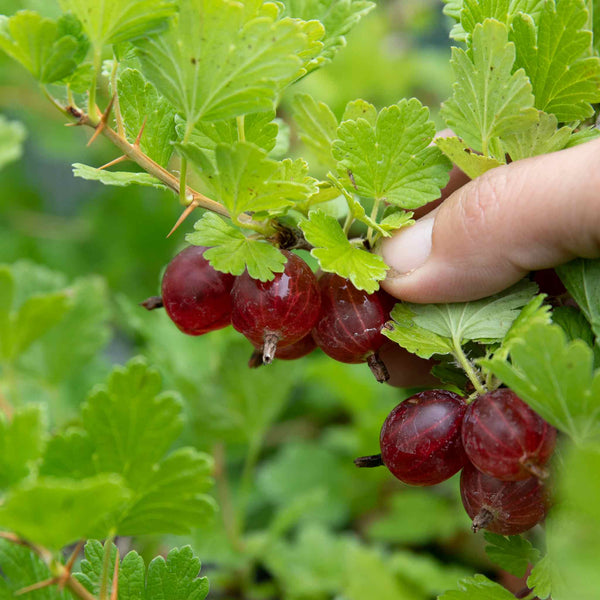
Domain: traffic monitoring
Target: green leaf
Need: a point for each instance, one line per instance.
(119, 178)
(392, 160)
(92, 566)
(513, 554)
(131, 423)
(337, 255)
(174, 499)
(555, 378)
(72, 509)
(21, 443)
(555, 56)
(217, 62)
(574, 324)
(116, 21)
(69, 454)
(7, 293)
(478, 587)
(317, 127)
(581, 277)
(540, 578)
(477, 11)
(489, 100)
(360, 109)
(585, 134)
(132, 577)
(12, 136)
(473, 165)
(540, 138)
(141, 106)
(404, 331)
(232, 252)
(49, 50)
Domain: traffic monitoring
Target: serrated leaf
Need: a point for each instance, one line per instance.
(337, 255)
(317, 127)
(21, 443)
(513, 554)
(92, 567)
(132, 577)
(554, 52)
(489, 100)
(393, 160)
(404, 331)
(473, 165)
(117, 21)
(141, 106)
(477, 587)
(72, 509)
(216, 62)
(582, 136)
(230, 251)
(477, 11)
(118, 178)
(555, 378)
(540, 138)
(131, 423)
(12, 136)
(581, 277)
(49, 50)
(540, 578)
(360, 109)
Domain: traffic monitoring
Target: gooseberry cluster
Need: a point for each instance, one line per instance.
(500, 444)
(284, 318)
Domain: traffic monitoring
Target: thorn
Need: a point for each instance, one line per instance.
(188, 209)
(103, 120)
(114, 590)
(36, 586)
(139, 135)
(113, 162)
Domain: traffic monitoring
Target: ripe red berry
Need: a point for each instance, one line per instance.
(349, 328)
(505, 439)
(276, 313)
(420, 439)
(196, 297)
(296, 350)
(505, 507)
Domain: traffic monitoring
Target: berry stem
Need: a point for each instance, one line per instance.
(152, 303)
(482, 519)
(378, 368)
(270, 348)
(468, 368)
(368, 462)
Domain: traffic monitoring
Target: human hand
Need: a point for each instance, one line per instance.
(489, 233)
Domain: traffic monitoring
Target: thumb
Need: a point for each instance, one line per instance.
(532, 214)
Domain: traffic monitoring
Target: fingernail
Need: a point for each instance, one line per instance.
(409, 249)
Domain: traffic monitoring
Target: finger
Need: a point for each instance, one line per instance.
(456, 181)
(531, 214)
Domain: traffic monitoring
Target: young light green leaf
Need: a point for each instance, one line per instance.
(404, 331)
(141, 106)
(464, 158)
(21, 442)
(478, 587)
(119, 178)
(513, 554)
(72, 509)
(317, 127)
(555, 378)
(581, 277)
(540, 138)
(337, 255)
(217, 62)
(360, 109)
(489, 100)
(116, 21)
(585, 134)
(12, 136)
(131, 423)
(540, 578)
(481, 320)
(555, 56)
(393, 160)
(477, 11)
(230, 251)
(49, 50)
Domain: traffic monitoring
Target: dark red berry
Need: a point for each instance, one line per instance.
(276, 313)
(296, 350)
(505, 507)
(505, 439)
(349, 328)
(420, 439)
(196, 296)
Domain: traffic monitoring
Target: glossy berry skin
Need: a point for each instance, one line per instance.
(420, 439)
(196, 297)
(349, 328)
(505, 507)
(285, 308)
(296, 350)
(505, 439)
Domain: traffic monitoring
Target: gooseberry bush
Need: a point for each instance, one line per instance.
(292, 200)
